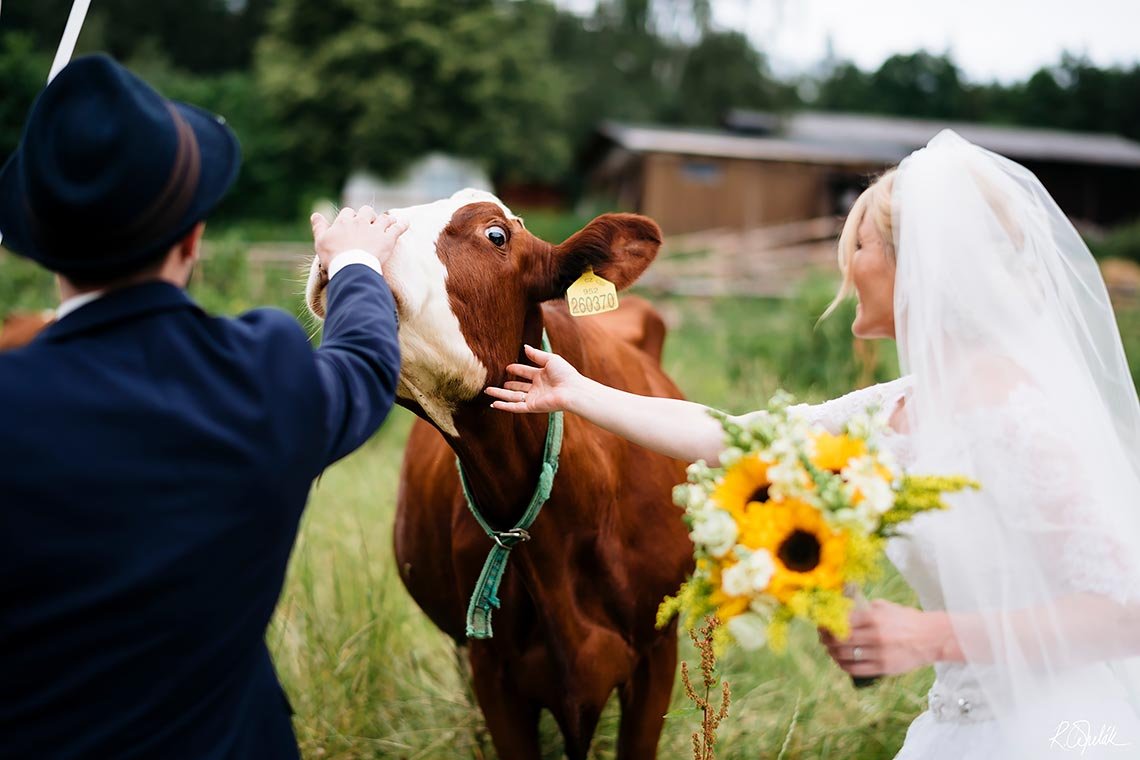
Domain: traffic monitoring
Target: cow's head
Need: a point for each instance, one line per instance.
(465, 275)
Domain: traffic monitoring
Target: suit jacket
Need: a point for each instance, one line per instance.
(154, 464)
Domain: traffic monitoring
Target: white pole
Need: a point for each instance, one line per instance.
(70, 36)
(67, 43)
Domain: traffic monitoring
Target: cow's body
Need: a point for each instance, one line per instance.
(579, 599)
(636, 322)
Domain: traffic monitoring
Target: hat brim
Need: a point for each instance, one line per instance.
(220, 161)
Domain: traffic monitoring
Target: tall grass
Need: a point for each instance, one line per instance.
(370, 677)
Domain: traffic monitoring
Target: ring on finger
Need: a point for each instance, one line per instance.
(857, 654)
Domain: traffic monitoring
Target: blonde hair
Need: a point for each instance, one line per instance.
(876, 201)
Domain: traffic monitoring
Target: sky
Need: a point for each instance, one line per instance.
(1003, 40)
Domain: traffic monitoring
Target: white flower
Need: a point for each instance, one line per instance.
(690, 496)
(783, 449)
(785, 473)
(869, 424)
(715, 530)
(887, 460)
(764, 605)
(750, 575)
(788, 478)
(866, 517)
(730, 456)
(861, 476)
(749, 629)
(698, 471)
(878, 495)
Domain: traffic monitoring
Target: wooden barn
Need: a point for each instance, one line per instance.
(764, 169)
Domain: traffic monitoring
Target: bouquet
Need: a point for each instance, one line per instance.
(793, 520)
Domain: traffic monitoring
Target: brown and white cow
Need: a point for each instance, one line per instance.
(472, 285)
(20, 328)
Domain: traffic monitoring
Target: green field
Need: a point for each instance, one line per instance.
(370, 677)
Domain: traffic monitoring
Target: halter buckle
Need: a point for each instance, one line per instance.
(508, 539)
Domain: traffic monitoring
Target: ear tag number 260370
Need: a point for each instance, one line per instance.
(591, 294)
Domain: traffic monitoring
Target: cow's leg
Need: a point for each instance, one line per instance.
(645, 700)
(511, 719)
(463, 664)
(577, 724)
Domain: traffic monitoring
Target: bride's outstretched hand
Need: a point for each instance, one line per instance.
(547, 387)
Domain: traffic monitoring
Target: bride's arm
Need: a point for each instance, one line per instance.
(680, 429)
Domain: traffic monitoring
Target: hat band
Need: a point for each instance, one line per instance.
(172, 202)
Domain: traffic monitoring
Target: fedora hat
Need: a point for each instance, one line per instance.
(109, 174)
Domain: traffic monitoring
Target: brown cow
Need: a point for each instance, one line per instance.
(636, 322)
(19, 328)
(579, 599)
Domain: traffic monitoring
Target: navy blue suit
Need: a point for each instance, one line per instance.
(154, 464)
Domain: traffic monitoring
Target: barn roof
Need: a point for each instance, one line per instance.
(817, 137)
(640, 138)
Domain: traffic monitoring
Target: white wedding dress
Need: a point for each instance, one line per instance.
(1017, 378)
(959, 724)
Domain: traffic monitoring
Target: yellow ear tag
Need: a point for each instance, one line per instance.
(591, 294)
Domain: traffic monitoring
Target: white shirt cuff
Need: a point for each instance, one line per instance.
(341, 260)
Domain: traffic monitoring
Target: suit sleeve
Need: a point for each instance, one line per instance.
(358, 362)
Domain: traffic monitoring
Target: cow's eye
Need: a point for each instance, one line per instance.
(496, 235)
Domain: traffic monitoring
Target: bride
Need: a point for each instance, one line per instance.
(1014, 374)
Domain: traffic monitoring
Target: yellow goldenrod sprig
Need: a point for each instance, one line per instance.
(923, 493)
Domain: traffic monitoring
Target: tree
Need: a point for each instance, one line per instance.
(202, 36)
(23, 71)
(363, 83)
(1043, 101)
(723, 71)
(845, 88)
(920, 84)
(264, 188)
(615, 67)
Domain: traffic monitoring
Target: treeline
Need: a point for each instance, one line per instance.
(315, 88)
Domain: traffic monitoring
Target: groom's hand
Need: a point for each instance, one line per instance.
(363, 230)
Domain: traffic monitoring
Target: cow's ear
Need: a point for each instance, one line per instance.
(618, 247)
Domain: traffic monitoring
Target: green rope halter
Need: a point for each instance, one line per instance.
(485, 598)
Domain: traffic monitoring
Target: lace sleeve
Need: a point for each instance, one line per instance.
(833, 414)
(1049, 494)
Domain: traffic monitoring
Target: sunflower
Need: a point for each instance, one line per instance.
(745, 482)
(755, 526)
(808, 553)
(833, 452)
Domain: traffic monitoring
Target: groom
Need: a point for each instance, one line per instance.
(155, 460)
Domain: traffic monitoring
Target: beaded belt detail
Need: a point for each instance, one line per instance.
(961, 705)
